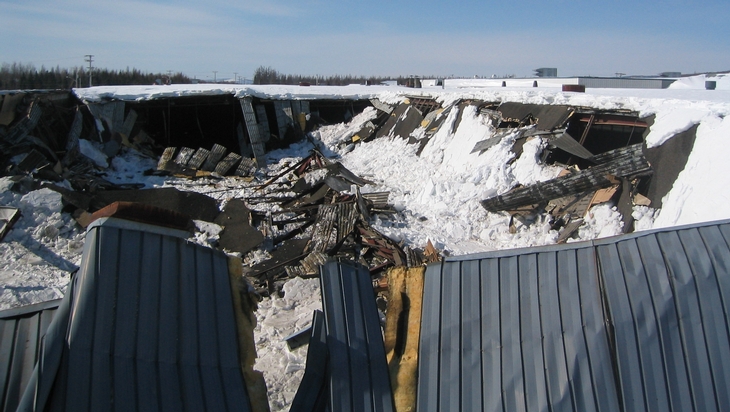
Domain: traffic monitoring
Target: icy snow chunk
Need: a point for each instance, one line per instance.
(670, 122)
(43, 199)
(88, 149)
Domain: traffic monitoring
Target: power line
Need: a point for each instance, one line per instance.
(90, 58)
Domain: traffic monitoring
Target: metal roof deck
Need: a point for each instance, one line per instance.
(637, 322)
(21, 333)
(146, 324)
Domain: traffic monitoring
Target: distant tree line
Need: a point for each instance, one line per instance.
(268, 75)
(27, 76)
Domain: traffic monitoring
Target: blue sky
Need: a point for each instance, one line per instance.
(370, 37)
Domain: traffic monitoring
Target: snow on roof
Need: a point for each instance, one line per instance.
(276, 92)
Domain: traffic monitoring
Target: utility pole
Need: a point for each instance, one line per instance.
(90, 58)
(215, 80)
(235, 77)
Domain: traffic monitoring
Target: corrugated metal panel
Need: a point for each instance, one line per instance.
(637, 322)
(357, 372)
(151, 327)
(21, 331)
(312, 392)
(254, 135)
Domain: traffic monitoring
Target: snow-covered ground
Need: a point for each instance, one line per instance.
(437, 193)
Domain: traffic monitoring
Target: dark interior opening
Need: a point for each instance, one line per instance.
(606, 132)
(194, 121)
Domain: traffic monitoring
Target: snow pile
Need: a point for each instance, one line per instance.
(40, 252)
(700, 192)
(438, 192)
(278, 318)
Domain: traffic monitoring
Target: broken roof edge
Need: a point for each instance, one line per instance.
(139, 226)
(99, 94)
(578, 245)
(23, 310)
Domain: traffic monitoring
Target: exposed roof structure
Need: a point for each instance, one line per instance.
(637, 322)
(147, 324)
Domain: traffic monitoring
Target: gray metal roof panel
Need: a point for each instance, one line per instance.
(21, 333)
(637, 322)
(151, 327)
(357, 370)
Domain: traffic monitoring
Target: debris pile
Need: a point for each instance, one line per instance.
(313, 211)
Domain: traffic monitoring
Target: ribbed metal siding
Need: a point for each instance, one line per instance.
(638, 322)
(357, 374)
(151, 327)
(21, 333)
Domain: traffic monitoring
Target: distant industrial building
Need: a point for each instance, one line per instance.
(546, 72)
